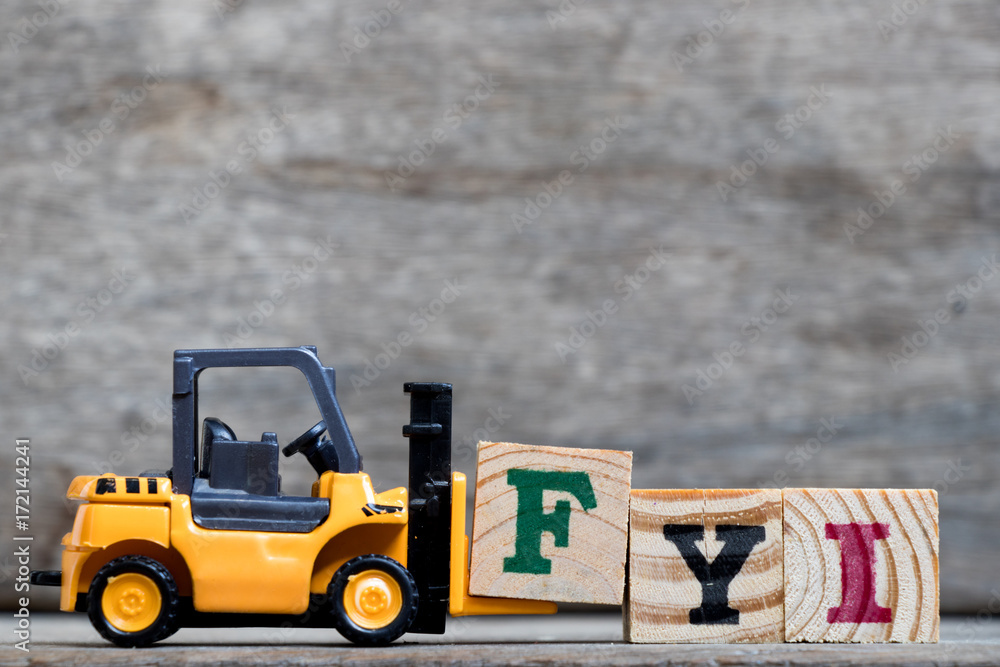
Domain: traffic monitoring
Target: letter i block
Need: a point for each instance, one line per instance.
(550, 523)
(861, 565)
(705, 566)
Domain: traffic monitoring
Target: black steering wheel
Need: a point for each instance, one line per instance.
(307, 441)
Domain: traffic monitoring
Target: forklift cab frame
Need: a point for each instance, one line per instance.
(234, 484)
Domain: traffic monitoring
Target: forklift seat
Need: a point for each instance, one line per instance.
(238, 487)
(213, 430)
(246, 466)
(228, 463)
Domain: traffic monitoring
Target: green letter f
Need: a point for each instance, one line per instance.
(532, 520)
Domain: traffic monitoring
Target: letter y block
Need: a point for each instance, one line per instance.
(705, 566)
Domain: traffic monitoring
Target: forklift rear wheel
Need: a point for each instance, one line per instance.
(133, 602)
(374, 600)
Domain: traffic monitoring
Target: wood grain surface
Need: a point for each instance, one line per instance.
(662, 589)
(308, 244)
(904, 571)
(68, 639)
(589, 566)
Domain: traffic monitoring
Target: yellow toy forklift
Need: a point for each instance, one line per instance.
(212, 542)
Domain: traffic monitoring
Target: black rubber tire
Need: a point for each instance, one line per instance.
(388, 633)
(166, 624)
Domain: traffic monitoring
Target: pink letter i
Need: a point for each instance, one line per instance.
(857, 573)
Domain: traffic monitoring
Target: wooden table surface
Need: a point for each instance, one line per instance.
(574, 639)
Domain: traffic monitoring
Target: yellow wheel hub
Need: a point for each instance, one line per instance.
(131, 602)
(372, 599)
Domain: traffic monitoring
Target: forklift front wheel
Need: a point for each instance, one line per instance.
(133, 602)
(374, 600)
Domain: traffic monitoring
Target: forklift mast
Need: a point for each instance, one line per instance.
(429, 534)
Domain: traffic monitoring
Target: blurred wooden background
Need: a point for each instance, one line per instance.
(115, 115)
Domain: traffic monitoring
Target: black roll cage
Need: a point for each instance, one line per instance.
(188, 364)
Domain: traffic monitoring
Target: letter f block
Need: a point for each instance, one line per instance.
(861, 565)
(550, 523)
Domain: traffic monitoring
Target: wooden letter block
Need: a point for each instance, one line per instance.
(861, 565)
(705, 566)
(551, 523)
